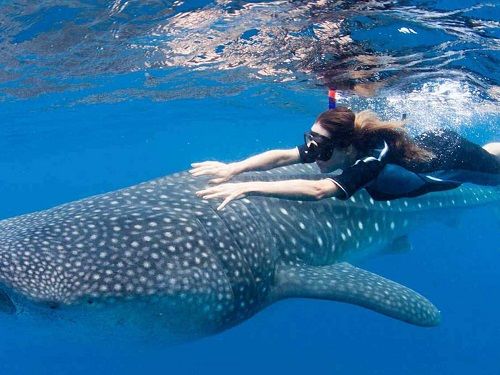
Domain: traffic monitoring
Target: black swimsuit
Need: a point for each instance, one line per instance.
(386, 176)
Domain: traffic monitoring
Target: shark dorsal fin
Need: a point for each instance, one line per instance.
(345, 283)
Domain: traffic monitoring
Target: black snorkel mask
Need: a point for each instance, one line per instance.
(317, 146)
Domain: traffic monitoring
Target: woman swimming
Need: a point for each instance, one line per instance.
(376, 155)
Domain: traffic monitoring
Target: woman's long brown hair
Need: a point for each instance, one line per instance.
(364, 130)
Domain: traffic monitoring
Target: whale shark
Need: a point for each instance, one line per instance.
(155, 256)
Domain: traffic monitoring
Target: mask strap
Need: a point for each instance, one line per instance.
(332, 101)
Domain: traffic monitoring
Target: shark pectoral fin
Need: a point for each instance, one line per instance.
(345, 283)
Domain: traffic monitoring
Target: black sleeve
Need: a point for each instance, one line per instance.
(360, 173)
(304, 155)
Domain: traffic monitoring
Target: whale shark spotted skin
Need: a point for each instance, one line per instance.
(157, 254)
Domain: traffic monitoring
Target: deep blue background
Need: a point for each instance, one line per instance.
(53, 155)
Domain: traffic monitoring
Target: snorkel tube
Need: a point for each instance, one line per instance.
(332, 101)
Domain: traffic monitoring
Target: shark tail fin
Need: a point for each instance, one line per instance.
(345, 283)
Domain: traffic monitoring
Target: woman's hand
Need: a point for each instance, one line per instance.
(228, 192)
(221, 171)
(288, 189)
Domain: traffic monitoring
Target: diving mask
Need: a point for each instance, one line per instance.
(318, 146)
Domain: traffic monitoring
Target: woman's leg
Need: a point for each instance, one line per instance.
(493, 148)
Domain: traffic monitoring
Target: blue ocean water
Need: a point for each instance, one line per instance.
(96, 96)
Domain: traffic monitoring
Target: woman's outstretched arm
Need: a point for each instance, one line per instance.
(288, 189)
(225, 171)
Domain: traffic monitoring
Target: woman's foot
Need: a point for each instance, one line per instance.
(493, 148)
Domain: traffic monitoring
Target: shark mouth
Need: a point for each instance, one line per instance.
(6, 304)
